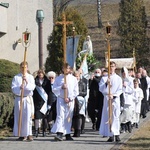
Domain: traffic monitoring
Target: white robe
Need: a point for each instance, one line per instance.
(137, 98)
(127, 113)
(116, 90)
(27, 107)
(148, 87)
(64, 110)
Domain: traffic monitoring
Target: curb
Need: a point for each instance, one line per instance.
(127, 136)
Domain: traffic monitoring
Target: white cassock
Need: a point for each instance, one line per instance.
(148, 87)
(116, 90)
(127, 113)
(28, 106)
(64, 110)
(137, 98)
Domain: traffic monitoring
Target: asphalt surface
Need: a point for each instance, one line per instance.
(91, 140)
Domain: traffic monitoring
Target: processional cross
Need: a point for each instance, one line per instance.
(64, 23)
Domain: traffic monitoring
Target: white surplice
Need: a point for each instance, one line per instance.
(27, 107)
(64, 110)
(116, 90)
(127, 113)
(137, 98)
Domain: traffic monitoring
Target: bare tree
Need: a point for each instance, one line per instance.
(59, 6)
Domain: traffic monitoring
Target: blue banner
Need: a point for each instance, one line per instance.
(71, 51)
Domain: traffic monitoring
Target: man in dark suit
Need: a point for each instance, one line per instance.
(95, 102)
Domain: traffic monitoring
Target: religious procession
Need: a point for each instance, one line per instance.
(62, 103)
(113, 98)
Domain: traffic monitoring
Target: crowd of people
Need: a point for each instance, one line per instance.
(58, 104)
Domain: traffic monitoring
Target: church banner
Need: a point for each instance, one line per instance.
(71, 51)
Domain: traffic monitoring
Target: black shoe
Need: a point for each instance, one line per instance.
(144, 116)
(117, 138)
(20, 139)
(94, 126)
(44, 134)
(76, 133)
(58, 137)
(129, 127)
(38, 130)
(111, 139)
(50, 127)
(68, 137)
(82, 131)
(136, 125)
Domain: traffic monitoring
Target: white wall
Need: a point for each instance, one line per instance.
(21, 14)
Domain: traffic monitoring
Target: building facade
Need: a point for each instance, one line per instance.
(17, 16)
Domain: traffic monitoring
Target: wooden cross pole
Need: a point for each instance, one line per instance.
(64, 23)
(108, 29)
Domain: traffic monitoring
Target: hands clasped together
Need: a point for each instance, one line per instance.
(24, 82)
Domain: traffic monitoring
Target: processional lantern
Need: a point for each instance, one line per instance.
(26, 39)
(108, 29)
(26, 36)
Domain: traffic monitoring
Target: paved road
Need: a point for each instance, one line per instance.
(91, 140)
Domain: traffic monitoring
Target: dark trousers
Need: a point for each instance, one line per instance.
(52, 114)
(79, 122)
(143, 108)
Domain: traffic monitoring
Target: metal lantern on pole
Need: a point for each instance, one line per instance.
(26, 36)
(108, 30)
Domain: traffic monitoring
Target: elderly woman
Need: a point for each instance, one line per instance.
(40, 97)
(51, 100)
